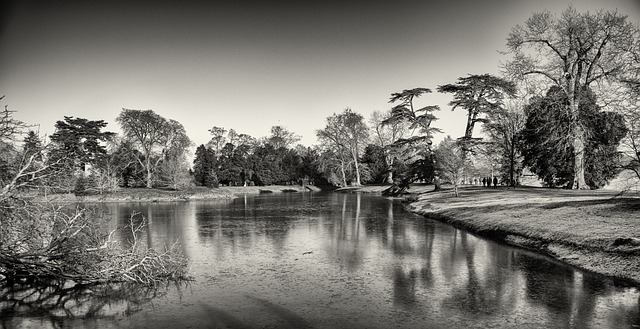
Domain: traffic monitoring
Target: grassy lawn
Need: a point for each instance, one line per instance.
(595, 230)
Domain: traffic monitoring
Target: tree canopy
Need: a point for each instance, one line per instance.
(154, 136)
(574, 51)
(481, 95)
(548, 151)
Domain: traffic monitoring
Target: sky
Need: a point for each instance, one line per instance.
(250, 65)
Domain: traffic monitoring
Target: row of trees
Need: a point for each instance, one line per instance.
(240, 160)
(568, 98)
(44, 242)
(566, 107)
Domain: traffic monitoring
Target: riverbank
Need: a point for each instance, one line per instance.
(595, 230)
(141, 195)
(270, 189)
(380, 188)
(164, 195)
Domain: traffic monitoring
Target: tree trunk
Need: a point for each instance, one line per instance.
(512, 163)
(149, 174)
(389, 179)
(355, 161)
(578, 165)
(344, 175)
(578, 137)
(389, 162)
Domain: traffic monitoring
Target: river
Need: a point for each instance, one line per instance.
(330, 260)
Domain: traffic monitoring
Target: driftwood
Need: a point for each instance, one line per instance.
(73, 246)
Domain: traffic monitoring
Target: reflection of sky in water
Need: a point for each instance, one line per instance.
(350, 260)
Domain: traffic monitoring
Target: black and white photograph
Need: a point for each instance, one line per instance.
(320, 164)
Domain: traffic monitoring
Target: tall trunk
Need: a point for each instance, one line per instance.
(471, 116)
(389, 179)
(578, 165)
(578, 136)
(578, 144)
(344, 175)
(389, 162)
(355, 161)
(149, 173)
(512, 162)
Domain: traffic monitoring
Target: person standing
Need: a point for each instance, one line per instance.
(495, 182)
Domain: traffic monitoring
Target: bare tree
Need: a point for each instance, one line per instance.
(153, 135)
(346, 135)
(385, 135)
(217, 139)
(574, 51)
(48, 241)
(281, 137)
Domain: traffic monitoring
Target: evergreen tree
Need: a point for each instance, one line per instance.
(548, 146)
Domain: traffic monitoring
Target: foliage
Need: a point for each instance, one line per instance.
(419, 120)
(504, 127)
(450, 162)
(218, 140)
(385, 134)
(413, 149)
(204, 167)
(375, 162)
(47, 241)
(574, 52)
(157, 140)
(281, 137)
(77, 145)
(630, 109)
(344, 138)
(481, 95)
(80, 140)
(548, 153)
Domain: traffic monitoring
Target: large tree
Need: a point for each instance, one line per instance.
(504, 127)
(281, 137)
(384, 135)
(154, 137)
(481, 95)
(80, 141)
(416, 144)
(545, 151)
(218, 140)
(346, 135)
(450, 162)
(204, 167)
(630, 109)
(574, 51)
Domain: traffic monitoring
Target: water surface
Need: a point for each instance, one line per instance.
(327, 260)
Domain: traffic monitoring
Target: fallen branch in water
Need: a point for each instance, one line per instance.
(49, 242)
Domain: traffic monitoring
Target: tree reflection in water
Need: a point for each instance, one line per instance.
(55, 304)
(306, 259)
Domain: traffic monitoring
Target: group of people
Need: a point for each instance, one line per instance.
(486, 181)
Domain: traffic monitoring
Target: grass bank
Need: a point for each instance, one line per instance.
(142, 195)
(595, 230)
(379, 188)
(269, 189)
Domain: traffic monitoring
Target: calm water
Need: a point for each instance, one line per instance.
(325, 260)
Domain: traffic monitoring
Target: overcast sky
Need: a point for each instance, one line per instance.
(254, 65)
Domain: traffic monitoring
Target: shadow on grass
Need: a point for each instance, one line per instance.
(618, 204)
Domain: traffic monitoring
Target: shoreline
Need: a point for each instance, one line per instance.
(165, 195)
(596, 231)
